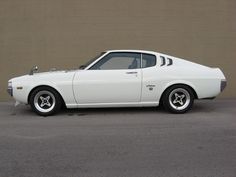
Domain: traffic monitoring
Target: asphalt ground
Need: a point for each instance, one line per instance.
(124, 142)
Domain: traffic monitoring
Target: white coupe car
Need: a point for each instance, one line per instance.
(120, 78)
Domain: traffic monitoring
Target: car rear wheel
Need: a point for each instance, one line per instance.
(45, 101)
(178, 99)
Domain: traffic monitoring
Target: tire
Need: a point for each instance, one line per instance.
(178, 99)
(45, 101)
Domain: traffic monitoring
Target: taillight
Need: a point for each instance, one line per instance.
(223, 85)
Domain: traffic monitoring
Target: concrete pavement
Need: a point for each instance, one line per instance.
(132, 142)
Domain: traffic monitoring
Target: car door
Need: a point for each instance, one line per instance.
(115, 78)
(151, 78)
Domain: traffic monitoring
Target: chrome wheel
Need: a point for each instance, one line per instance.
(179, 99)
(44, 101)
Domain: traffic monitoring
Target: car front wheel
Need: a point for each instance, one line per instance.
(45, 101)
(178, 99)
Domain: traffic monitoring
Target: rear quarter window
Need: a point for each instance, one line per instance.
(148, 60)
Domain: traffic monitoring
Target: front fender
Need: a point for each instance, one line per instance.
(64, 88)
(22, 90)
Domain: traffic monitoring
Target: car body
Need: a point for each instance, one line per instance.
(120, 78)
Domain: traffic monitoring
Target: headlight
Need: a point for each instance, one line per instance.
(9, 84)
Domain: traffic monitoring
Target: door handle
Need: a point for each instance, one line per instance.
(132, 72)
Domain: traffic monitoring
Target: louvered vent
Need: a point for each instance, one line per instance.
(166, 61)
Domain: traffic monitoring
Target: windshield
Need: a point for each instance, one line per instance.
(91, 61)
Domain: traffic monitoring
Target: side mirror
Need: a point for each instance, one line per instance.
(33, 70)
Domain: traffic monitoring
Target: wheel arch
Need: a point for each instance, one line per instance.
(180, 84)
(36, 87)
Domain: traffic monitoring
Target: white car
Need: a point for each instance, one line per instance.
(120, 78)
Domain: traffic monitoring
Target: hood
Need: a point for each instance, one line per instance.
(50, 75)
(50, 72)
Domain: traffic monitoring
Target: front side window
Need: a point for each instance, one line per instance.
(118, 60)
(148, 60)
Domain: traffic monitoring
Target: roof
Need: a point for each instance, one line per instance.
(131, 50)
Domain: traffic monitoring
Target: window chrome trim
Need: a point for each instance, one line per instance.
(107, 53)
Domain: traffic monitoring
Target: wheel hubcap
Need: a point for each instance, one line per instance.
(44, 101)
(179, 99)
